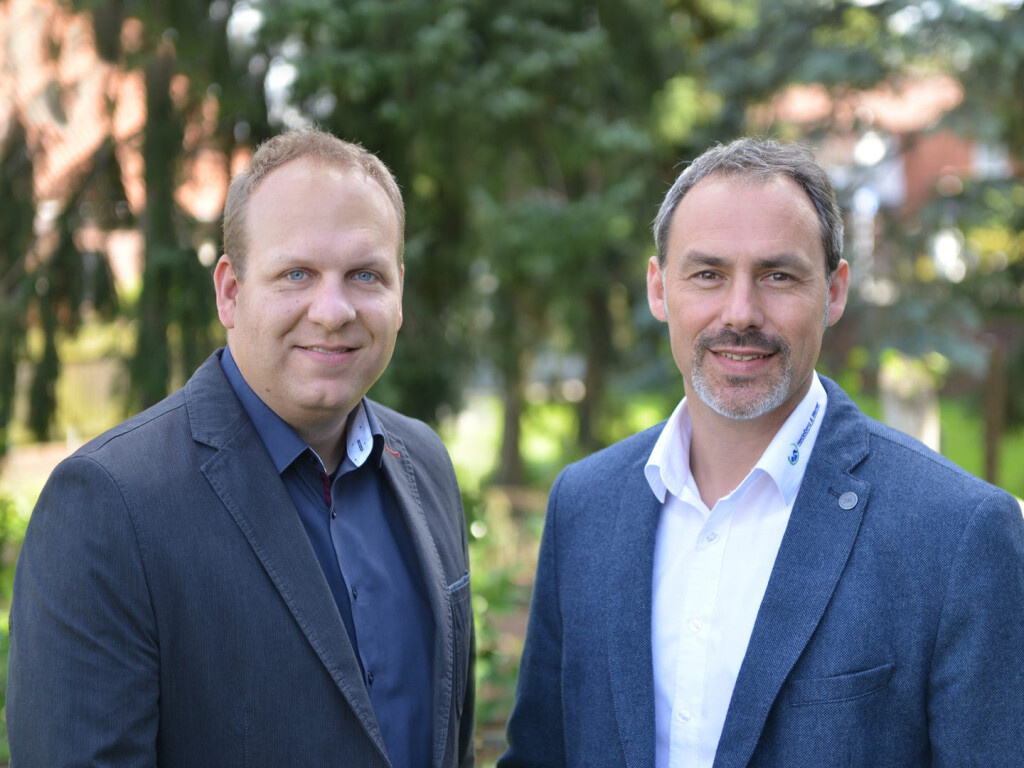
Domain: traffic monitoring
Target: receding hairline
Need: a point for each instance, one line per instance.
(321, 149)
(329, 163)
(342, 167)
(753, 160)
(751, 178)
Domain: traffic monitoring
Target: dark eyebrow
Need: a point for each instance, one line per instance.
(781, 261)
(700, 259)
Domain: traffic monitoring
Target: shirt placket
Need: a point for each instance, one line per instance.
(695, 630)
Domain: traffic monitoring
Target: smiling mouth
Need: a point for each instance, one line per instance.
(744, 358)
(329, 350)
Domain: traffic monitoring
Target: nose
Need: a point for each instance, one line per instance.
(742, 308)
(330, 305)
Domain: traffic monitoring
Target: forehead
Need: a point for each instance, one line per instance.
(723, 214)
(308, 192)
(302, 173)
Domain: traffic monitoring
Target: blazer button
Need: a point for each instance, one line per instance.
(848, 500)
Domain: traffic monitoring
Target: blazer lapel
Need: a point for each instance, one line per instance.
(628, 621)
(815, 548)
(242, 475)
(399, 469)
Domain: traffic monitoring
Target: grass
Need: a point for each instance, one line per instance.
(963, 438)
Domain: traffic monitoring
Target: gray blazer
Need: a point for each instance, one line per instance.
(169, 608)
(891, 633)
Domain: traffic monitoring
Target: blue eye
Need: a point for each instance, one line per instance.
(295, 275)
(365, 276)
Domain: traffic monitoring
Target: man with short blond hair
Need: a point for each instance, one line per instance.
(267, 568)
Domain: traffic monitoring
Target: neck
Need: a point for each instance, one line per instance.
(328, 441)
(724, 450)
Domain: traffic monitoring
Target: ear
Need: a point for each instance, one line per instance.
(837, 292)
(225, 283)
(656, 290)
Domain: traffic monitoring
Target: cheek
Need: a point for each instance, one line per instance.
(268, 325)
(685, 324)
(279, 312)
(683, 348)
(383, 313)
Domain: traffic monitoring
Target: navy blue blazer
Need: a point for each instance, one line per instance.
(891, 633)
(169, 609)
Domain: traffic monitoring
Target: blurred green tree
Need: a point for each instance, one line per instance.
(533, 141)
(184, 51)
(46, 282)
(970, 225)
(17, 215)
(524, 137)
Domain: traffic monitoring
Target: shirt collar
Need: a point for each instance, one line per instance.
(364, 436)
(785, 459)
(669, 465)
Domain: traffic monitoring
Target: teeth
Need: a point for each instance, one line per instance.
(742, 358)
(324, 350)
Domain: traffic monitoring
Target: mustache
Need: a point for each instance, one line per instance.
(750, 339)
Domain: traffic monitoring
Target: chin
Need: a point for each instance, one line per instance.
(739, 403)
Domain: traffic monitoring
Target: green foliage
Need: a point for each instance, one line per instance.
(13, 519)
(503, 556)
(522, 135)
(45, 282)
(530, 139)
(180, 44)
(846, 45)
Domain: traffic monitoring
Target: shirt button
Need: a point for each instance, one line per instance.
(695, 626)
(355, 593)
(369, 678)
(334, 514)
(711, 538)
(683, 715)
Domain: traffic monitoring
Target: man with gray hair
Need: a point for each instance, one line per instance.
(769, 578)
(267, 568)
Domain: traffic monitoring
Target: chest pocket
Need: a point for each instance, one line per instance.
(462, 623)
(824, 690)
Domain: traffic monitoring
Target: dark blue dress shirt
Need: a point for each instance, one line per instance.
(367, 555)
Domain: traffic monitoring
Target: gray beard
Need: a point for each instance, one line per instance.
(729, 407)
(779, 389)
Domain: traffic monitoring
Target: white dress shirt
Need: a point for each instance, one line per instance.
(711, 568)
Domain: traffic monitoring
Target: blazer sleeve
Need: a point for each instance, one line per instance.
(84, 674)
(976, 683)
(536, 734)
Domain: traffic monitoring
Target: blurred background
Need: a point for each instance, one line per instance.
(533, 140)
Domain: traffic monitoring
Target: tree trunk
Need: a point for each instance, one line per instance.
(597, 346)
(511, 470)
(910, 402)
(151, 365)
